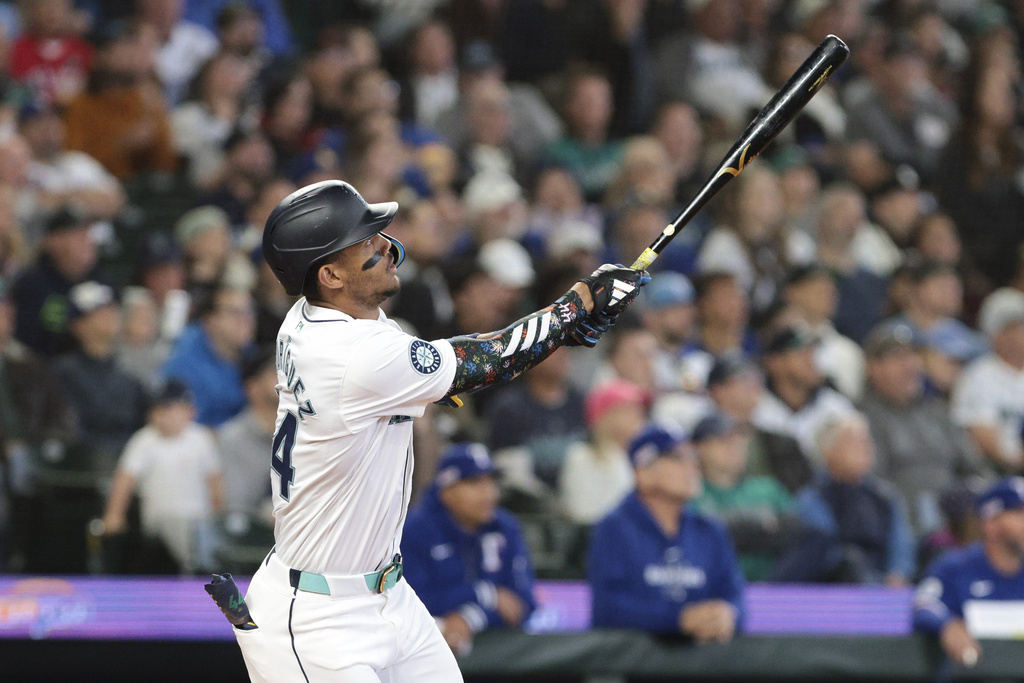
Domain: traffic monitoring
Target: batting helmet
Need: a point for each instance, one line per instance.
(319, 220)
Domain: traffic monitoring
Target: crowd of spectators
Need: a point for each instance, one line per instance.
(840, 333)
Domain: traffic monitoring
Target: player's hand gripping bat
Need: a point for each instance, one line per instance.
(775, 116)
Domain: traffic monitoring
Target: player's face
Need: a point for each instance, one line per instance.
(674, 476)
(371, 274)
(1011, 531)
(472, 502)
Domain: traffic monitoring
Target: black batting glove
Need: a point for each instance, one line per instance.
(613, 288)
(590, 330)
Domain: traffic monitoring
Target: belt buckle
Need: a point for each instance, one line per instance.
(394, 565)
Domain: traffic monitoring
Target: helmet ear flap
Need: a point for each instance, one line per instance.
(397, 249)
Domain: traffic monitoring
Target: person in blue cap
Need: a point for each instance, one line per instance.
(655, 563)
(991, 569)
(465, 556)
(668, 311)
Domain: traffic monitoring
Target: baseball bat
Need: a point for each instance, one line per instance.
(776, 115)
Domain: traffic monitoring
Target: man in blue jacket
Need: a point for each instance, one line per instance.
(992, 569)
(464, 556)
(655, 563)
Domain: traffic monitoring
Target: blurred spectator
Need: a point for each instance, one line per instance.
(549, 418)
(213, 108)
(709, 67)
(735, 387)
(467, 557)
(66, 177)
(88, 378)
(917, 447)
(495, 208)
(532, 39)
(723, 317)
(487, 286)
(121, 119)
(902, 112)
(34, 423)
(798, 402)
(287, 121)
(488, 147)
(667, 311)
(645, 176)
(852, 258)
(532, 122)
(991, 570)
(207, 356)
(612, 35)
(141, 352)
(988, 398)
(173, 464)
(161, 272)
(801, 187)
(433, 76)
(979, 185)
(216, 14)
(243, 31)
(204, 236)
(68, 256)
(812, 291)
(631, 354)
(935, 238)
(586, 150)
(243, 443)
(754, 244)
(655, 563)
(757, 510)
(48, 56)
(935, 300)
(677, 127)
(597, 474)
(558, 207)
(248, 163)
(862, 522)
(896, 207)
(182, 46)
(631, 232)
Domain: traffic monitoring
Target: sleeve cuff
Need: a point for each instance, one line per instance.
(474, 616)
(486, 594)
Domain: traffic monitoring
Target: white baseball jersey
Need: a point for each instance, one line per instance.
(342, 459)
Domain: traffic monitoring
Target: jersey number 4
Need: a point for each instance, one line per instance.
(281, 461)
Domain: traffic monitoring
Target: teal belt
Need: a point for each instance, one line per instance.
(376, 582)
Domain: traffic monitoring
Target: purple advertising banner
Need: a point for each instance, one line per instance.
(168, 608)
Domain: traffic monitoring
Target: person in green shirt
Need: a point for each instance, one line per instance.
(757, 509)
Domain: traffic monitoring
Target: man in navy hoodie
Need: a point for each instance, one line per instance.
(465, 556)
(657, 564)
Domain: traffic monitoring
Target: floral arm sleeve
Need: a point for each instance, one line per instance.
(502, 356)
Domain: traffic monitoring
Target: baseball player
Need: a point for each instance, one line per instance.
(328, 603)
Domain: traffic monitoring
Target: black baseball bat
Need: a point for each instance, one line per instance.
(775, 116)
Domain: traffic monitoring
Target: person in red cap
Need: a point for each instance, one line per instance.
(597, 474)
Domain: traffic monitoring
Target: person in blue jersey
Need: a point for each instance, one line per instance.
(991, 569)
(657, 564)
(465, 556)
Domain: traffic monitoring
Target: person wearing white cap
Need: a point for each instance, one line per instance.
(988, 398)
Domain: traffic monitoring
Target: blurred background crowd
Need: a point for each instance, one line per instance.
(841, 331)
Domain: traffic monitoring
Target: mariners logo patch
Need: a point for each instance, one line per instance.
(426, 360)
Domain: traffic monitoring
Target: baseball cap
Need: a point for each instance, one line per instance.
(1005, 494)
(463, 461)
(574, 236)
(652, 442)
(198, 220)
(170, 391)
(89, 296)
(809, 271)
(727, 366)
(68, 217)
(507, 261)
(478, 55)
(606, 396)
(890, 336)
(158, 249)
(790, 338)
(714, 426)
(489, 191)
(1002, 307)
(954, 339)
(668, 289)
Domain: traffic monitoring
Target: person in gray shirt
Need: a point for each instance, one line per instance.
(245, 443)
(918, 448)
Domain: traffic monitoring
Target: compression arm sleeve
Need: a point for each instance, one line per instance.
(504, 355)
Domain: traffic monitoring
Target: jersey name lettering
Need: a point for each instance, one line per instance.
(286, 365)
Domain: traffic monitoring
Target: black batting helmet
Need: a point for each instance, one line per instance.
(319, 220)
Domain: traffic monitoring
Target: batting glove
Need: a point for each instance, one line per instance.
(613, 288)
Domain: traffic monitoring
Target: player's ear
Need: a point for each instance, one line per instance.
(329, 276)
